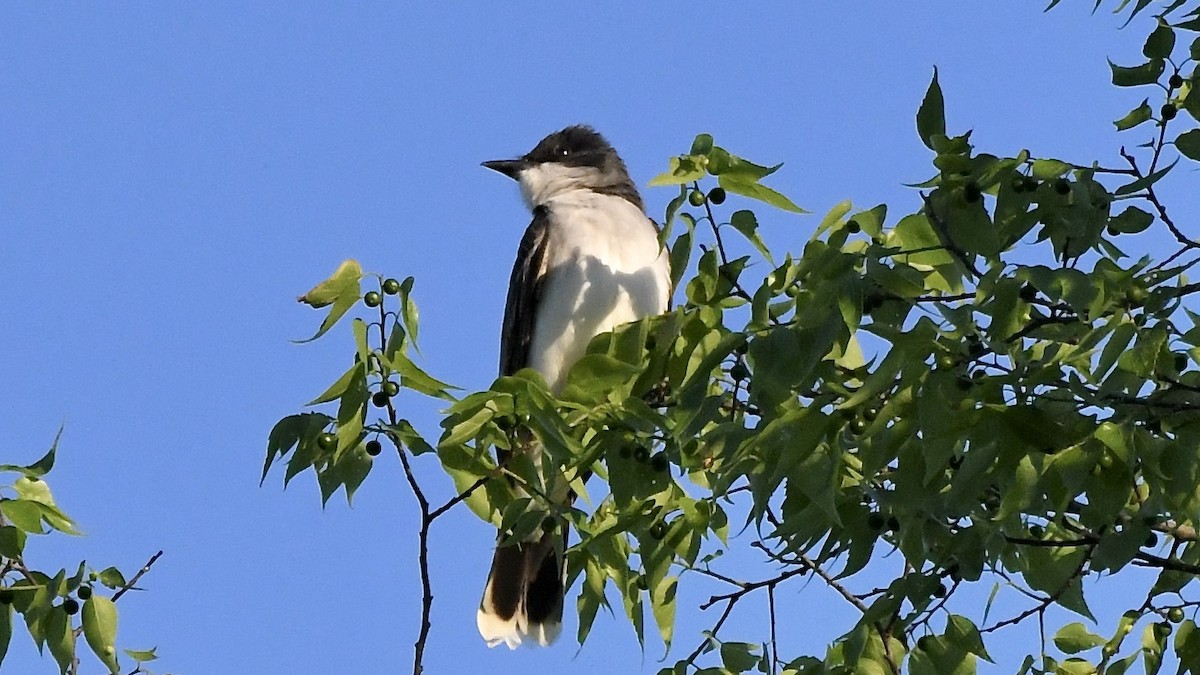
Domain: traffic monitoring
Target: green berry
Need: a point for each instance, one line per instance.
(379, 399)
(70, 606)
(696, 198)
(1175, 614)
(716, 195)
(391, 286)
(946, 362)
(1062, 186)
(391, 388)
(372, 298)
(327, 441)
(374, 447)
(84, 592)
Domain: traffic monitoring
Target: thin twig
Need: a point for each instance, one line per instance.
(129, 585)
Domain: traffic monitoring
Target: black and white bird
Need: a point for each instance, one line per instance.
(589, 262)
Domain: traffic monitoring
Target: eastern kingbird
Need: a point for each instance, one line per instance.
(589, 261)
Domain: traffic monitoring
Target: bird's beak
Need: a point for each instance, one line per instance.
(509, 167)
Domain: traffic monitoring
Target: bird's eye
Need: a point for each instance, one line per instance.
(562, 152)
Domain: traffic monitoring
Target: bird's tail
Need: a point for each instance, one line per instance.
(523, 599)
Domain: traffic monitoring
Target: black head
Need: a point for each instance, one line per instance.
(579, 147)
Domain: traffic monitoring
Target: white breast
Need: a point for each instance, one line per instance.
(605, 268)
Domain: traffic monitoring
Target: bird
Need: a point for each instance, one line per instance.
(589, 261)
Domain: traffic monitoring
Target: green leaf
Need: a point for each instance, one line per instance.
(1188, 143)
(142, 655)
(1160, 43)
(1047, 169)
(1075, 637)
(111, 577)
(24, 514)
(6, 616)
(342, 289)
(702, 145)
(745, 223)
(12, 541)
(662, 601)
(339, 387)
(742, 185)
(40, 467)
(1130, 221)
(56, 628)
(100, 629)
(931, 116)
(415, 378)
(683, 169)
(1135, 117)
(1145, 181)
(1132, 76)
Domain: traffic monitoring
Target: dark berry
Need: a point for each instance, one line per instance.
(1175, 81)
(549, 524)
(1037, 531)
(963, 383)
(1028, 293)
(84, 592)
(391, 388)
(327, 441)
(641, 582)
(659, 462)
(372, 298)
(955, 572)
(1018, 184)
(374, 447)
(893, 524)
(1062, 186)
(6, 597)
(658, 530)
(1169, 111)
(1031, 184)
(940, 591)
(739, 372)
(641, 454)
(971, 192)
(70, 606)
(625, 452)
(1181, 362)
(1151, 540)
(858, 426)
(975, 349)
(379, 399)
(853, 227)
(716, 195)
(870, 413)
(876, 521)
(391, 286)
(696, 198)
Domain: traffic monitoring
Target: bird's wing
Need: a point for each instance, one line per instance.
(524, 293)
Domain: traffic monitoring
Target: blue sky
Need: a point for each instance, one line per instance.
(172, 176)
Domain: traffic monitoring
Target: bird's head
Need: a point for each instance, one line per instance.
(576, 158)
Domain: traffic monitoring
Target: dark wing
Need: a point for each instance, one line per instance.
(524, 293)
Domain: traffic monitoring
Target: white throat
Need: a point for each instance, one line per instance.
(542, 182)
